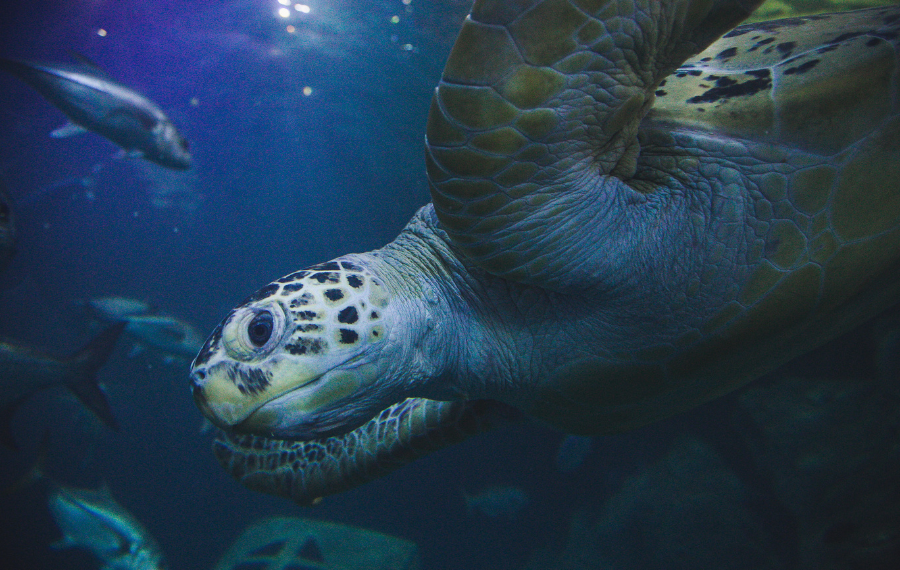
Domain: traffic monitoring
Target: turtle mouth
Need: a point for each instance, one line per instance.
(234, 414)
(304, 412)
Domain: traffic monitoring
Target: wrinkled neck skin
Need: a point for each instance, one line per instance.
(450, 317)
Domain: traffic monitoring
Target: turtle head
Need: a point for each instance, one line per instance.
(300, 358)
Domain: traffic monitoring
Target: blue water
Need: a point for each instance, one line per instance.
(280, 181)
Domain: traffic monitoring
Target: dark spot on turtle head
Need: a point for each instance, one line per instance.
(263, 293)
(727, 53)
(705, 59)
(802, 68)
(308, 327)
(327, 266)
(373, 315)
(786, 48)
(695, 73)
(291, 288)
(249, 380)
(305, 346)
(662, 83)
(350, 266)
(727, 88)
(354, 281)
(725, 82)
(302, 300)
(334, 294)
(738, 31)
(212, 343)
(660, 93)
(327, 277)
(348, 315)
(295, 276)
(208, 347)
(348, 336)
(306, 315)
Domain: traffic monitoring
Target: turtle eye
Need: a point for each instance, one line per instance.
(260, 329)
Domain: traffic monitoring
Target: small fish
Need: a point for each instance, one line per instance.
(93, 101)
(573, 450)
(167, 334)
(92, 519)
(7, 228)
(501, 501)
(24, 371)
(116, 308)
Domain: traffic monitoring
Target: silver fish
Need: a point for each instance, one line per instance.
(117, 308)
(501, 501)
(95, 102)
(7, 228)
(167, 334)
(24, 371)
(92, 519)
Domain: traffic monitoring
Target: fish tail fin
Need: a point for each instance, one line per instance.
(86, 363)
(36, 473)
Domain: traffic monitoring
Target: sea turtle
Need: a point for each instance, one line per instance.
(628, 220)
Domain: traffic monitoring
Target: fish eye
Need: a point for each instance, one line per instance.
(260, 329)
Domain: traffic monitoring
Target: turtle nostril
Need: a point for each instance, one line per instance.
(197, 379)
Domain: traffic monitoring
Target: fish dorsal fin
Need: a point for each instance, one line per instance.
(88, 62)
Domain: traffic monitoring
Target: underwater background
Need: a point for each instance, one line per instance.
(307, 136)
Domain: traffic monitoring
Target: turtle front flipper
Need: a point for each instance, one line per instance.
(306, 471)
(536, 116)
